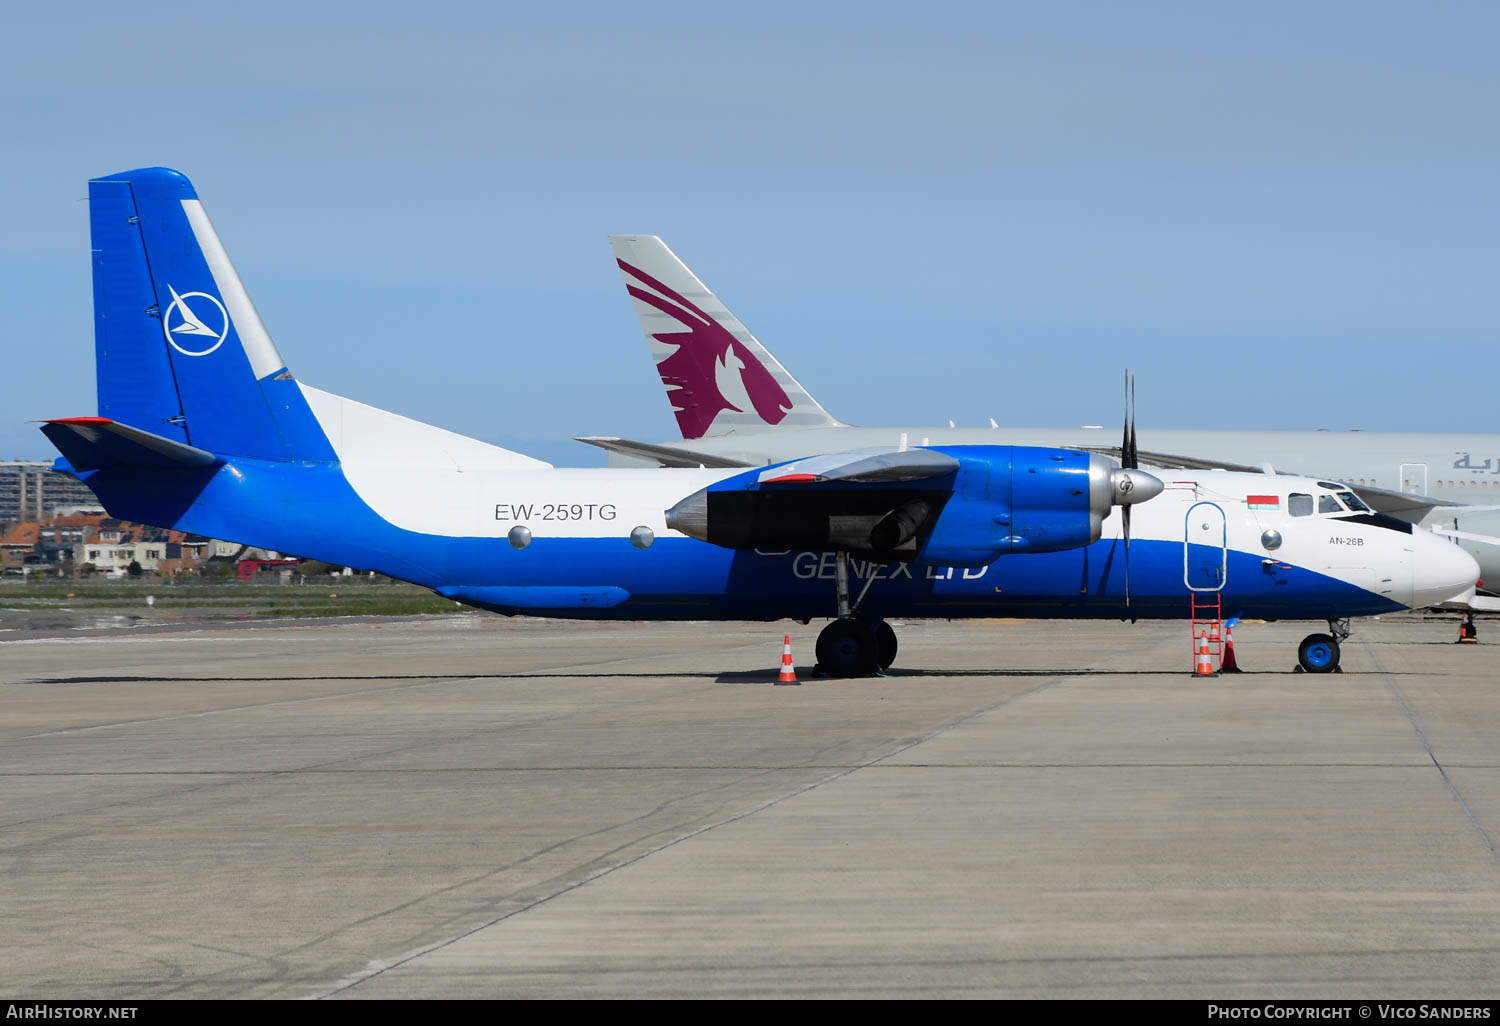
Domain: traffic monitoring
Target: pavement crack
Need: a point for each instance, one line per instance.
(1442, 772)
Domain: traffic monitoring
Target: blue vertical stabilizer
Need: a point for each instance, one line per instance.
(182, 352)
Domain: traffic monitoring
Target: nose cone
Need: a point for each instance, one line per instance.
(1133, 486)
(1440, 570)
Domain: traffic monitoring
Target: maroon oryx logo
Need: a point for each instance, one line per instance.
(706, 354)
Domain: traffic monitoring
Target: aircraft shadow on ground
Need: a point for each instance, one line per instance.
(718, 677)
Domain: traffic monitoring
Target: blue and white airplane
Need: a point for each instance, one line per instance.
(202, 428)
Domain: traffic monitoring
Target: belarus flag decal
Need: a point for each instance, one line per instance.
(1263, 501)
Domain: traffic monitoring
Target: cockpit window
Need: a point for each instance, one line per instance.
(1299, 505)
(1328, 504)
(1353, 502)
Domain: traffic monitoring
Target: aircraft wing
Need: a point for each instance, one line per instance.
(1402, 505)
(863, 466)
(664, 455)
(1472, 602)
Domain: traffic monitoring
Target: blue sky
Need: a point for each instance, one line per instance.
(1279, 215)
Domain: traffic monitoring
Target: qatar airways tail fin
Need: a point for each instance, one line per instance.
(719, 378)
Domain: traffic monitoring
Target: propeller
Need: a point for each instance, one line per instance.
(1127, 483)
(1129, 460)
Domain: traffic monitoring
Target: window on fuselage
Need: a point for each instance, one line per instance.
(1328, 504)
(1353, 502)
(1299, 505)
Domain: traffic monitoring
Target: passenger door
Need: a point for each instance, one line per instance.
(1205, 547)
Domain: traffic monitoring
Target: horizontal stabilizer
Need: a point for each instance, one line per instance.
(664, 455)
(91, 443)
(869, 466)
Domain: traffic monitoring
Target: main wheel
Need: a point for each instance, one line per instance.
(847, 648)
(885, 645)
(1318, 653)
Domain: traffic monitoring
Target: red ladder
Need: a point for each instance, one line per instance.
(1207, 617)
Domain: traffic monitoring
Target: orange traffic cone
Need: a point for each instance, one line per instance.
(1228, 664)
(788, 671)
(1467, 632)
(1204, 666)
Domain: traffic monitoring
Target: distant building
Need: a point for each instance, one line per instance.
(95, 542)
(112, 545)
(31, 491)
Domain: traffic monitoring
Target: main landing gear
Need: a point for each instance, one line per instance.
(1319, 653)
(854, 646)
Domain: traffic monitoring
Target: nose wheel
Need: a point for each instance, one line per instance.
(1319, 653)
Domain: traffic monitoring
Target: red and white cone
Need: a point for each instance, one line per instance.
(788, 671)
(1229, 664)
(1204, 667)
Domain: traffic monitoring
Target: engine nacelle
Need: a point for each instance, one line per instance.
(1015, 499)
(974, 504)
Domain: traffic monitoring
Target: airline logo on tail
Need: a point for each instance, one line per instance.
(711, 371)
(200, 327)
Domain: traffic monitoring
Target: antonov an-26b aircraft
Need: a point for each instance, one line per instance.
(736, 405)
(201, 427)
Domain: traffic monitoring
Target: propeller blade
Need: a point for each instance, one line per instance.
(1129, 460)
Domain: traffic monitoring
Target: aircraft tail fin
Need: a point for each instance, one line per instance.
(719, 378)
(181, 351)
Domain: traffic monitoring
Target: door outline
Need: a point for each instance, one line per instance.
(1416, 467)
(1187, 545)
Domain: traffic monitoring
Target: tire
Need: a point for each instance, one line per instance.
(1318, 653)
(885, 645)
(846, 648)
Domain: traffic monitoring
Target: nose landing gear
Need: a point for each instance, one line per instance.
(1319, 653)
